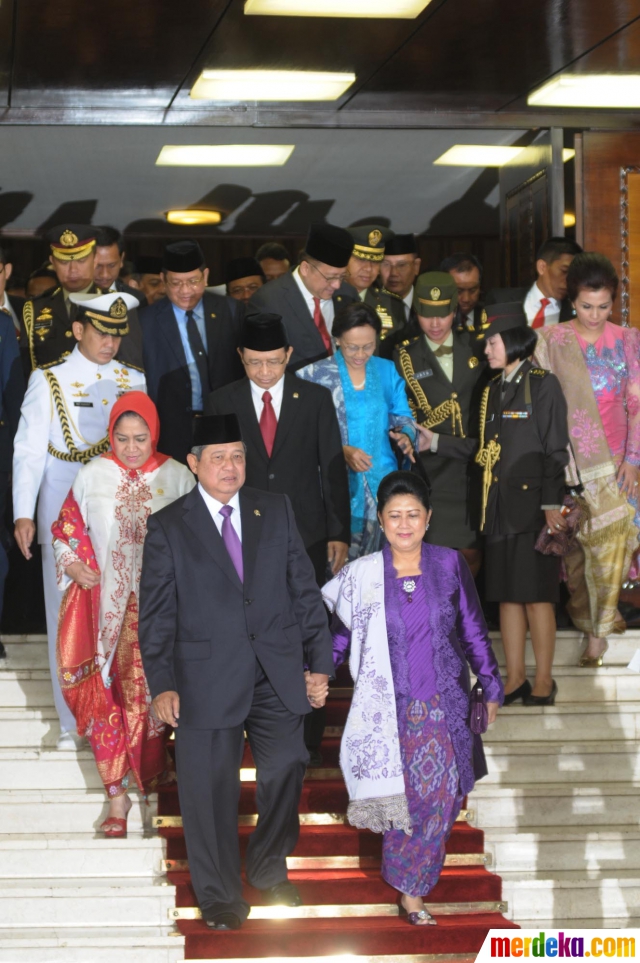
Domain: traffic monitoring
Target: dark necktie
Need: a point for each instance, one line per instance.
(321, 325)
(231, 541)
(268, 423)
(199, 354)
(442, 351)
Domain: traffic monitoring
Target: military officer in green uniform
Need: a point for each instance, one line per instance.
(444, 380)
(48, 319)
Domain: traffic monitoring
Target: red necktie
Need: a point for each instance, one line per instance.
(320, 324)
(268, 423)
(538, 321)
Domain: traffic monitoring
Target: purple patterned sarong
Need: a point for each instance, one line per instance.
(412, 864)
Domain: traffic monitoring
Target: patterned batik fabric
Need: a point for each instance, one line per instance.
(127, 742)
(412, 864)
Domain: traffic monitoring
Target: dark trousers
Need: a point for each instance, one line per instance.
(208, 763)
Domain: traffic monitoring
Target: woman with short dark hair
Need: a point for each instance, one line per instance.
(409, 620)
(523, 452)
(370, 400)
(598, 366)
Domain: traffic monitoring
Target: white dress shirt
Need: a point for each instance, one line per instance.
(325, 306)
(532, 304)
(214, 507)
(446, 360)
(276, 397)
(408, 304)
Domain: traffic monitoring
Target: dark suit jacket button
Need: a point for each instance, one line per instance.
(252, 638)
(271, 477)
(248, 601)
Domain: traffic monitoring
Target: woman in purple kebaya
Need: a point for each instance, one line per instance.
(410, 622)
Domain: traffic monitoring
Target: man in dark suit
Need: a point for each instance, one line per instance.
(10, 304)
(229, 614)
(190, 339)
(108, 262)
(293, 444)
(466, 271)
(308, 298)
(546, 301)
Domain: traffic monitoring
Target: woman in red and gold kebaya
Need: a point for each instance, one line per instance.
(98, 541)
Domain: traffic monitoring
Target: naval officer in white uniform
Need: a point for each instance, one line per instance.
(64, 424)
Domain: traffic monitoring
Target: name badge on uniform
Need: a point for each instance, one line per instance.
(516, 414)
(83, 404)
(424, 374)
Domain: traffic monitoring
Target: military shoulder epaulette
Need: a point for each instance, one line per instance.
(390, 293)
(126, 364)
(47, 295)
(404, 344)
(496, 377)
(53, 364)
(538, 372)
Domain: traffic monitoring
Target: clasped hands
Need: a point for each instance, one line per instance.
(317, 688)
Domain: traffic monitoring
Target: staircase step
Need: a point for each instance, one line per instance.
(351, 887)
(96, 902)
(136, 944)
(50, 856)
(339, 937)
(580, 763)
(526, 854)
(606, 804)
(568, 896)
(76, 811)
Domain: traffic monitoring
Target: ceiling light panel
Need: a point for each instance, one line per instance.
(589, 91)
(477, 155)
(224, 155)
(366, 9)
(270, 85)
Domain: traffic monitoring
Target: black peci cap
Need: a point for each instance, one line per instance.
(329, 244)
(216, 430)
(242, 267)
(263, 332)
(401, 244)
(182, 257)
(147, 264)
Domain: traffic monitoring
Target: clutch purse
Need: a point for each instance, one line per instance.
(561, 543)
(479, 714)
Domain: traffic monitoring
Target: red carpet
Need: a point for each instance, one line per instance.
(461, 929)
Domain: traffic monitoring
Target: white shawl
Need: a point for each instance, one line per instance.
(370, 756)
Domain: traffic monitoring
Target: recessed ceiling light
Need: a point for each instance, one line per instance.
(193, 216)
(477, 155)
(396, 9)
(589, 90)
(290, 85)
(224, 155)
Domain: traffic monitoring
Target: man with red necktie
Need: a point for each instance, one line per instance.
(293, 443)
(308, 297)
(545, 302)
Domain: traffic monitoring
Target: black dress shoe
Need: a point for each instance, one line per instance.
(549, 700)
(283, 894)
(522, 692)
(315, 759)
(224, 921)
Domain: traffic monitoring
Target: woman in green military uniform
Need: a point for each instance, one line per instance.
(444, 379)
(522, 450)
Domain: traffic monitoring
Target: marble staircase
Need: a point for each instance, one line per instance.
(560, 808)
(66, 893)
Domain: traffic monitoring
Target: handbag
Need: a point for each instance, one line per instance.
(575, 512)
(479, 714)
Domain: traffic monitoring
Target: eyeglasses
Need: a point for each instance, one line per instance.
(272, 363)
(357, 348)
(191, 284)
(340, 277)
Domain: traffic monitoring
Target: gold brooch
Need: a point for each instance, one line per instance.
(295, 394)
(473, 362)
(256, 512)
